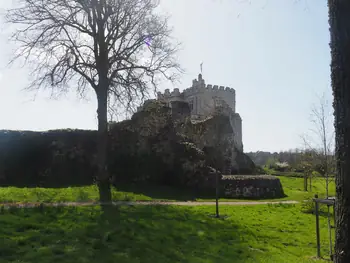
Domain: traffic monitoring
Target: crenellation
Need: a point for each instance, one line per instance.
(176, 92)
(196, 89)
(159, 95)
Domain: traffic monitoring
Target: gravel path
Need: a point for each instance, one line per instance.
(131, 203)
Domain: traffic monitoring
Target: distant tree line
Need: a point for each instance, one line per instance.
(298, 160)
(262, 158)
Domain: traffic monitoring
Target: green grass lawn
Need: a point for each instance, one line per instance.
(292, 186)
(264, 233)
(90, 193)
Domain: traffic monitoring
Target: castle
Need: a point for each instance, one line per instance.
(204, 99)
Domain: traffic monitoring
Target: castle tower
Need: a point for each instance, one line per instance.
(203, 99)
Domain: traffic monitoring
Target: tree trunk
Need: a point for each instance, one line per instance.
(305, 182)
(217, 193)
(103, 181)
(310, 181)
(339, 21)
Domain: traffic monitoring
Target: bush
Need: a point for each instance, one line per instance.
(308, 206)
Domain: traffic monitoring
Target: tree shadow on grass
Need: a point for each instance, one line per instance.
(163, 192)
(144, 234)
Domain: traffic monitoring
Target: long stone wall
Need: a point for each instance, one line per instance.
(252, 187)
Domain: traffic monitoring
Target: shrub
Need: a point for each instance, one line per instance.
(308, 206)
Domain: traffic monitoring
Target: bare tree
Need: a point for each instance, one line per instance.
(119, 48)
(307, 165)
(320, 149)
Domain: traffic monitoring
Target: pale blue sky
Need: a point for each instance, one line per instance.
(275, 53)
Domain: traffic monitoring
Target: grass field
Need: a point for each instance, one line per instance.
(254, 234)
(292, 186)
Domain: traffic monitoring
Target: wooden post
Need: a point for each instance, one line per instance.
(317, 228)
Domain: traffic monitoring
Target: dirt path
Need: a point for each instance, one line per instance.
(131, 203)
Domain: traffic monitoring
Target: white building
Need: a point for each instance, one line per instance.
(203, 99)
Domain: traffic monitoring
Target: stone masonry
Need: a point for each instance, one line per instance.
(203, 100)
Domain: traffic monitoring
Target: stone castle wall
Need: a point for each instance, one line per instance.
(204, 99)
(201, 96)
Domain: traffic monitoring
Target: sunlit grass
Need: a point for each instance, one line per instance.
(264, 233)
(294, 188)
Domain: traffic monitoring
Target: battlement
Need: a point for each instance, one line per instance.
(167, 94)
(193, 90)
(208, 88)
(198, 86)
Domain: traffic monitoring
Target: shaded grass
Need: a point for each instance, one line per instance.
(266, 233)
(293, 188)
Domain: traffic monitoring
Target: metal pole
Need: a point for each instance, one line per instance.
(317, 228)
